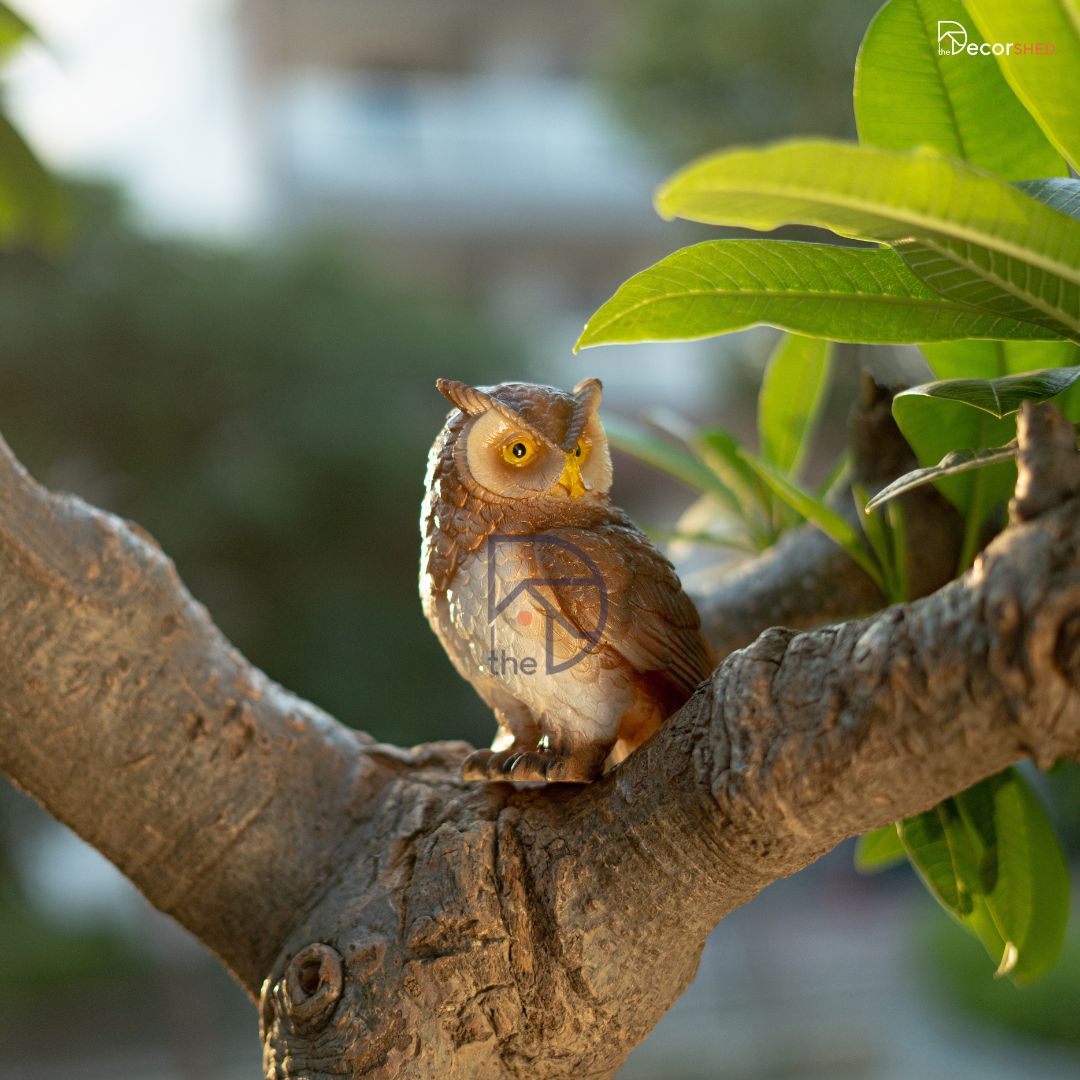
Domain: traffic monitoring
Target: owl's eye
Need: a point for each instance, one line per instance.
(582, 449)
(520, 450)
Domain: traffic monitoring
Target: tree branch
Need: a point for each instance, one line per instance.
(131, 719)
(412, 926)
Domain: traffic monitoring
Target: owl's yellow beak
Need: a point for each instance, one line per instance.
(571, 476)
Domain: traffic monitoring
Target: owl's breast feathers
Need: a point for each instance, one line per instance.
(650, 623)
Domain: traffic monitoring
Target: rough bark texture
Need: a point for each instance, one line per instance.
(402, 924)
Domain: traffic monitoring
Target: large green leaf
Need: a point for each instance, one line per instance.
(792, 393)
(1030, 899)
(1049, 85)
(992, 859)
(908, 95)
(1002, 396)
(972, 276)
(845, 294)
(969, 235)
(941, 418)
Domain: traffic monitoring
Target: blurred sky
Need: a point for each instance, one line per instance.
(137, 92)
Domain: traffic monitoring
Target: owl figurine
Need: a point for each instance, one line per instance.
(565, 618)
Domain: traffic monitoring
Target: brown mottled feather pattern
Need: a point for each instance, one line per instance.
(651, 653)
(650, 621)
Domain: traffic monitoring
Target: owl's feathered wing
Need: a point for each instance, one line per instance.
(650, 621)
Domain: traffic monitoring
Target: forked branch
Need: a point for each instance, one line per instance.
(408, 925)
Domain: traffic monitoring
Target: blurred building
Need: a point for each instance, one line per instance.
(469, 151)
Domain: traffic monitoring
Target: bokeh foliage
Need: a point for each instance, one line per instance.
(266, 417)
(691, 75)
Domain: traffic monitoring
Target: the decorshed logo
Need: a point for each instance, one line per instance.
(953, 40)
(577, 572)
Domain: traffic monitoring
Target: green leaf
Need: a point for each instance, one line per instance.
(722, 454)
(945, 855)
(991, 857)
(837, 472)
(908, 95)
(668, 456)
(969, 414)
(789, 403)
(896, 516)
(1048, 85)
(1002, 396)
(845, 294)
(879, 850)
(1061, 194)
(708, 520)
(1032, 891)
(14, 30)
(31, 204)
(827, 520)
(956, 461)
(970, 275)
(888, 549)
(978, 495)
(935, 426)
(713, 538)
(970, 235)
(987, 359)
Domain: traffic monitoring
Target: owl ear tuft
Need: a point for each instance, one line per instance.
(588, 389)
(467, 398)
(586, 400)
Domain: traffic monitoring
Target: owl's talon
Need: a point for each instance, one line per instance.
(528, 765)
(532, 766)
(488, 764)
(474, 767)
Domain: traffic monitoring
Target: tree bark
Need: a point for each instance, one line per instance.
(398, 923)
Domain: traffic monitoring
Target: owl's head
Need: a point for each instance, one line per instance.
(522, 440)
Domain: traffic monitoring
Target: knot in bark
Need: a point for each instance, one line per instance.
(312, 987)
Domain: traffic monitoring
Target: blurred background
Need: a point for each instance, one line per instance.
(285, 219)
